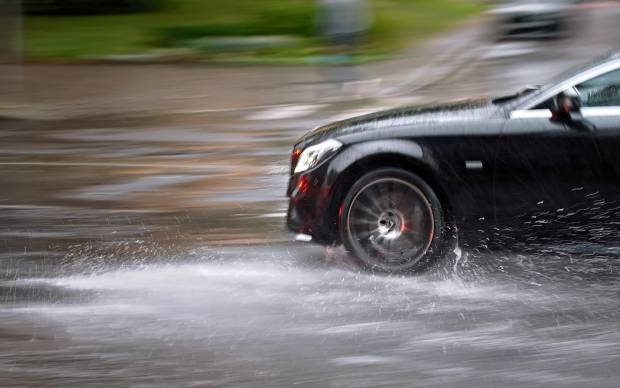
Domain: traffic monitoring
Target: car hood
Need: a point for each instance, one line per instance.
(466, 110)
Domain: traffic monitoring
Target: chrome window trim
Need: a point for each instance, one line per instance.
(530, 114)
(575, 80)
(588, 111)
(600, 111)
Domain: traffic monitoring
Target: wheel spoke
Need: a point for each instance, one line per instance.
(361, 222)
(403, 195)
(366, 210)
(374, 202)
(365, 235)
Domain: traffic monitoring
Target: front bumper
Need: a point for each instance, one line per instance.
(310, 210)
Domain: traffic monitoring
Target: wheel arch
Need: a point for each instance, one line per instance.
(371, 157)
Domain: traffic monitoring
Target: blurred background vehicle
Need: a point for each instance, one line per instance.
(543, 19)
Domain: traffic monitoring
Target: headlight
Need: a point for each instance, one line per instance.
(314, 155)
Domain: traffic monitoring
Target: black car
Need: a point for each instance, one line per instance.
(399, 187)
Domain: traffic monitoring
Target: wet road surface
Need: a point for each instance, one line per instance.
(151, 252)
(284, 316)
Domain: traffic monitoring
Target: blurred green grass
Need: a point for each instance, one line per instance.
(397, 23)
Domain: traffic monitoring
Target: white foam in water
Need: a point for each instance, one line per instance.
(257, 285)
(295, 323)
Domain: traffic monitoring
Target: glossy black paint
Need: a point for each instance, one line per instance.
(499, 179)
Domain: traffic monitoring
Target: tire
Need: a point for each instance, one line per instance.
(392, 221)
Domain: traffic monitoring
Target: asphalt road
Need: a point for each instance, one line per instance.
(149, 251)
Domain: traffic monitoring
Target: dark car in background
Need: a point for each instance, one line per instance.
(542, 19)
(399, 187)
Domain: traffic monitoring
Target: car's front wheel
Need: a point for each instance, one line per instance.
(392, 221)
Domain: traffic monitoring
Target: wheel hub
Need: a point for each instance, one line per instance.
(390, 224)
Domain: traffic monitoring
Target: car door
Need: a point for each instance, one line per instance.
(555, 181)
(600, 98)
(546, 175)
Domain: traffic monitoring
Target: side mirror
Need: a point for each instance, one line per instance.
(566, 110)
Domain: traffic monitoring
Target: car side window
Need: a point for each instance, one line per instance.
(603, 90)
(546, 105)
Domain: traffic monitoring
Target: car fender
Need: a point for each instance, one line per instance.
(414, 155)
(355, 153)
